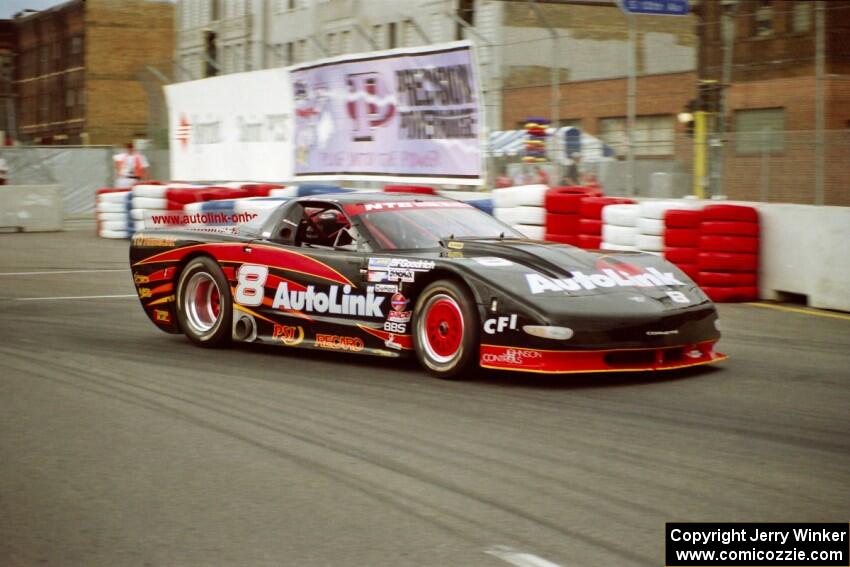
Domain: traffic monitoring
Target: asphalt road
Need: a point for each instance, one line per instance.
(121, 445)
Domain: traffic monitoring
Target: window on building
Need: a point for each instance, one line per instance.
(69, 98)
(290, 53)
(392, 35)
(378, 36)
(331, 45)
(759, 130)
(302, 50)
(345, 42)
(653, 135)
(802, 17)
(214, 6)
(764, 18)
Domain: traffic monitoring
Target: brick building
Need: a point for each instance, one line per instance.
(7, 99)
(772, 146)
(77, 74)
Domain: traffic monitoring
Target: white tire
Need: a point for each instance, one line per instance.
(506, 197)
(507, 215)
(530, 195)
(117, 197)
(114, 225)
(656, 209)
(156, 191)
(138, 225)
(650, 226)
(649, 242)
(150, 203)
(137, 214)
(618, 247)
(531, 215)
(121, 217)
(193, 208)
(622, 235)
(531, 231)
(111, 208)
(112, 233)
(620, 215)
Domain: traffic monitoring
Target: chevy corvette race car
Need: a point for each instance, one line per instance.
(394, 274)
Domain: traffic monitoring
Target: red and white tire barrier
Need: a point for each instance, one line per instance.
(619, 227)
(563, 212)
(590, 221)
(112, 212)
(728, 258)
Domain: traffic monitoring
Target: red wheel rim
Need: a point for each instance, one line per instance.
(444, 328)
(215, 302)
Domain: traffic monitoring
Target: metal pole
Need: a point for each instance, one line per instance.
(819, 103)
(765, 166)
(699, 154)
(630, 102)
(728, 35)
(554, 87)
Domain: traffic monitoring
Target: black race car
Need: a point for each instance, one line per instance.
(393, 274)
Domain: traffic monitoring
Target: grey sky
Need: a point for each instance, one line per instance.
(9, 8)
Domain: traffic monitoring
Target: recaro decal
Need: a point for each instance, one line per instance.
(651, 277)
(337, 342)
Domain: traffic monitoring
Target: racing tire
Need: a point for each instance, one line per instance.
(589, 242)
(677, 237)
(678, 218)
(649, 243)
(622, 235)
(591, 207)
(731, 294)
(728, 279)
(591, 227)
(727, 262)
(651, 227)
(559, 223)
(530, 215)
(716, 243)
(620, 215)
(571, 239)
(204, 303)
(730, 228)
(730, 213)
(681, 255)
(530, 231)
(564, 201)
(445, 336)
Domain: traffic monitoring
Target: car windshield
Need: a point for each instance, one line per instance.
(426, 223)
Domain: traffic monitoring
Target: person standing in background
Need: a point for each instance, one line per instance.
(573, 176)
(130, 167)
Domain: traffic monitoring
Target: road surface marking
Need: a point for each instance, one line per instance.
(60, 272)
(72, 297)
(803, 311)
(518, 558)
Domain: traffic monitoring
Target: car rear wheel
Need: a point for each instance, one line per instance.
(204, 305)
(446, 330)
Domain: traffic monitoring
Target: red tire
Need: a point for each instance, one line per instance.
(591, 227)
(730, 228)
(691, 270)
(681, 255)
(571, 239)
(731, 294)
(586, 190)
(728, 279)
(739, 244)
(557, 201)
(557, 223)
(589, 242)
(591, 207)
(217, 193)
(727, 262)
(110, 190)
(419, 189)
(730, 213)
(676, 218)
(183, 195)
(174, 206)
(681, 237)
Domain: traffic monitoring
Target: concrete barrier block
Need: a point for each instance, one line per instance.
(31, 208)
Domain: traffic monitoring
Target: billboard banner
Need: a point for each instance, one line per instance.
(410, 115)
(232, 127)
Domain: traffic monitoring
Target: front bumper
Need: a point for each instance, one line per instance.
(523, 359)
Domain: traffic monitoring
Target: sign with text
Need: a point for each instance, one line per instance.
(232, 127)
(656, 7)
(401, 115)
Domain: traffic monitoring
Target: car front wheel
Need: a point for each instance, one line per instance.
(446, 330)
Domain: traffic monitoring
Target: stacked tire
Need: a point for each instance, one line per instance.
(619, 227)
(563, 213)
(728, 257)
(522, 207)
(157, 198)
(590, 220)
(651, 226)
(681, 240)
(112, 213)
